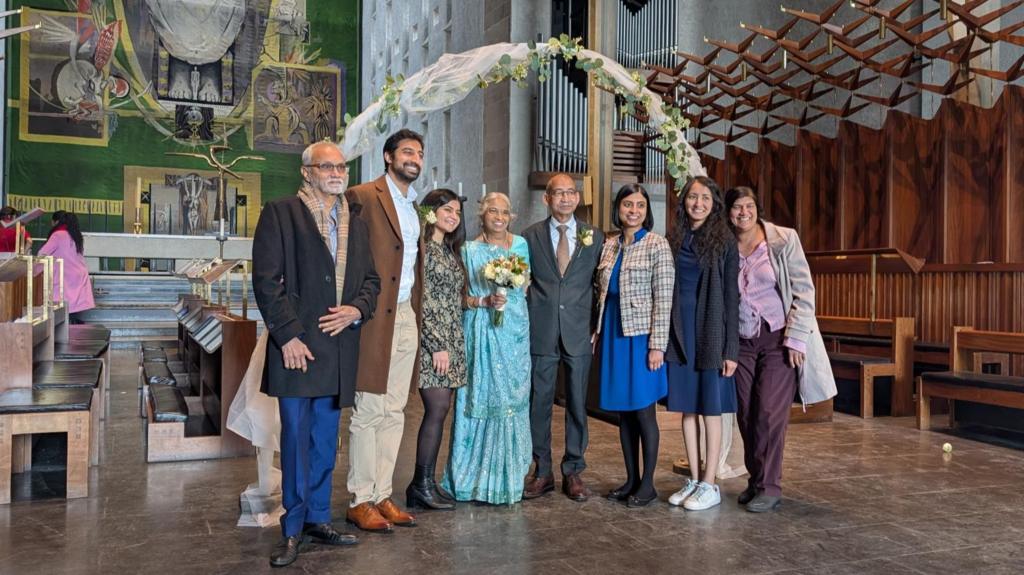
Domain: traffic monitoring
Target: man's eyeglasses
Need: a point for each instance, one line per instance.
(329, 167)
(564, 193)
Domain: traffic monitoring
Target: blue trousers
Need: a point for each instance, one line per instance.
(309, 443)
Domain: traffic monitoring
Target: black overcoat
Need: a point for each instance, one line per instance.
(293, 282)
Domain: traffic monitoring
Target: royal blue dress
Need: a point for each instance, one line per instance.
(690, 390)
(626, 383)
(491, 447)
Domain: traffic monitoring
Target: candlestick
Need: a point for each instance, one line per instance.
(138, 191)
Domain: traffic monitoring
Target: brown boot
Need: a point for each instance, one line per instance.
(394, 514)
(366, 517)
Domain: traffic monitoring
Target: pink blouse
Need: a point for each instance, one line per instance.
(760, 299)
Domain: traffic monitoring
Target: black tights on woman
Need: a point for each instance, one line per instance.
(436, 401)
(638, 431)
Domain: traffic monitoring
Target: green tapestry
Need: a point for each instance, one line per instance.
(103, 90)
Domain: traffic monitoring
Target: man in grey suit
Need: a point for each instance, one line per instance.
(564, 253)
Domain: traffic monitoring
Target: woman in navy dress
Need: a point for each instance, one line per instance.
(635, 280)
(704, 341)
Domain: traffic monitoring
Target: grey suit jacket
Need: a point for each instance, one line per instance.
(561, 308)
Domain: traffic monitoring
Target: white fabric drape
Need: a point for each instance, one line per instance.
(454, 76)
(197, 31)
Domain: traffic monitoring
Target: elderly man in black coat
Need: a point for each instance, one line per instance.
(315, 283)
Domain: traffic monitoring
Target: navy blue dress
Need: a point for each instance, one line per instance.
(626, 383)
(699, 391)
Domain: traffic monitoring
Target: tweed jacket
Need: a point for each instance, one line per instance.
(793, 278)
(646, 281)
(372, 202)
(718, 311)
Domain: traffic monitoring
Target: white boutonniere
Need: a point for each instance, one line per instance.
(585, 236)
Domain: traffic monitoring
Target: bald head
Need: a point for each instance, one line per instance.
(561, 197)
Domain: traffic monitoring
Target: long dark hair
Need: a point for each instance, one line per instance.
(70, 223)
(629, 190)
(454, 239)
(712, 238)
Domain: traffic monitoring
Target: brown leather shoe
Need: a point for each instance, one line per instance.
(366, 517)
(538, 486)
(394, 514)
(573, 487)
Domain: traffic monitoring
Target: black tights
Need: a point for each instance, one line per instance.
(639, 429)
(435, 410)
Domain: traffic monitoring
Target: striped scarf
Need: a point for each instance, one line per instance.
(322, 216)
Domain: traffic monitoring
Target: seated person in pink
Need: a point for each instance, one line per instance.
(65, 241)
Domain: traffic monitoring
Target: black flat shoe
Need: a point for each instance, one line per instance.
(620, 494)
(635, 501)
(326, 533)
(286, 552)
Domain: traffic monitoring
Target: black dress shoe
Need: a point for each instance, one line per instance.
(620, 494)
(326, 533)
(635, 501)
(747, 496)
(286, 552)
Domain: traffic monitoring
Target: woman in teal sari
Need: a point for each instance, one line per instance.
(491, 448)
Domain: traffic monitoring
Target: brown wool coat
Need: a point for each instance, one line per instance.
(372, 201)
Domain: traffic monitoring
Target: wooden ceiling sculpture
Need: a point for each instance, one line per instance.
(855, 55)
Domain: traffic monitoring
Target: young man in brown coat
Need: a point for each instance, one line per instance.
(390, 342)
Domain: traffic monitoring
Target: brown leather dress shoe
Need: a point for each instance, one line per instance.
(394, 514)
(538, 486)
(573, 487)
(366, 517)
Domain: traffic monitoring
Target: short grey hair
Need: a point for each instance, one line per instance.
(307, 154)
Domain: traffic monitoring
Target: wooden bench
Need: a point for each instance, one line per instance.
(24, 412)
(84, 374)
(863, 350)
(965, 381)
(41, 395)
(187, 390)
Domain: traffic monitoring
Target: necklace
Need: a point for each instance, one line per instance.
(505, 243)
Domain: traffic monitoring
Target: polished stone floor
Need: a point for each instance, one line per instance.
(873, 496)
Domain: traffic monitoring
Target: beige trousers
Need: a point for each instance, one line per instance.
(379, 419)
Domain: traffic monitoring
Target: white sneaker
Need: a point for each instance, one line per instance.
(705, 497)
(678, 497)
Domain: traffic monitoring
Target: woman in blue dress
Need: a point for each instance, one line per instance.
(491, 448)
(635, 278)
(704, 339)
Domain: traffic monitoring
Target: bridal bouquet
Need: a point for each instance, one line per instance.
(505, 272)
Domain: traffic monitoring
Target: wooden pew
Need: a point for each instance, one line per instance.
(188, 420)
(63, 399)
(862, 350)
(965, 381)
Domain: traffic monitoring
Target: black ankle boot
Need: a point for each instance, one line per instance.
(439, 493)
(422, 493)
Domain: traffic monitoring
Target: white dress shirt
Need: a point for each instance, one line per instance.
(409, 221)
(570, 234)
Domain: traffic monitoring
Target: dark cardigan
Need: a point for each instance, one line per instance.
(718, 308)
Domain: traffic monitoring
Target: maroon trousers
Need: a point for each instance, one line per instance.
(765, 387)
